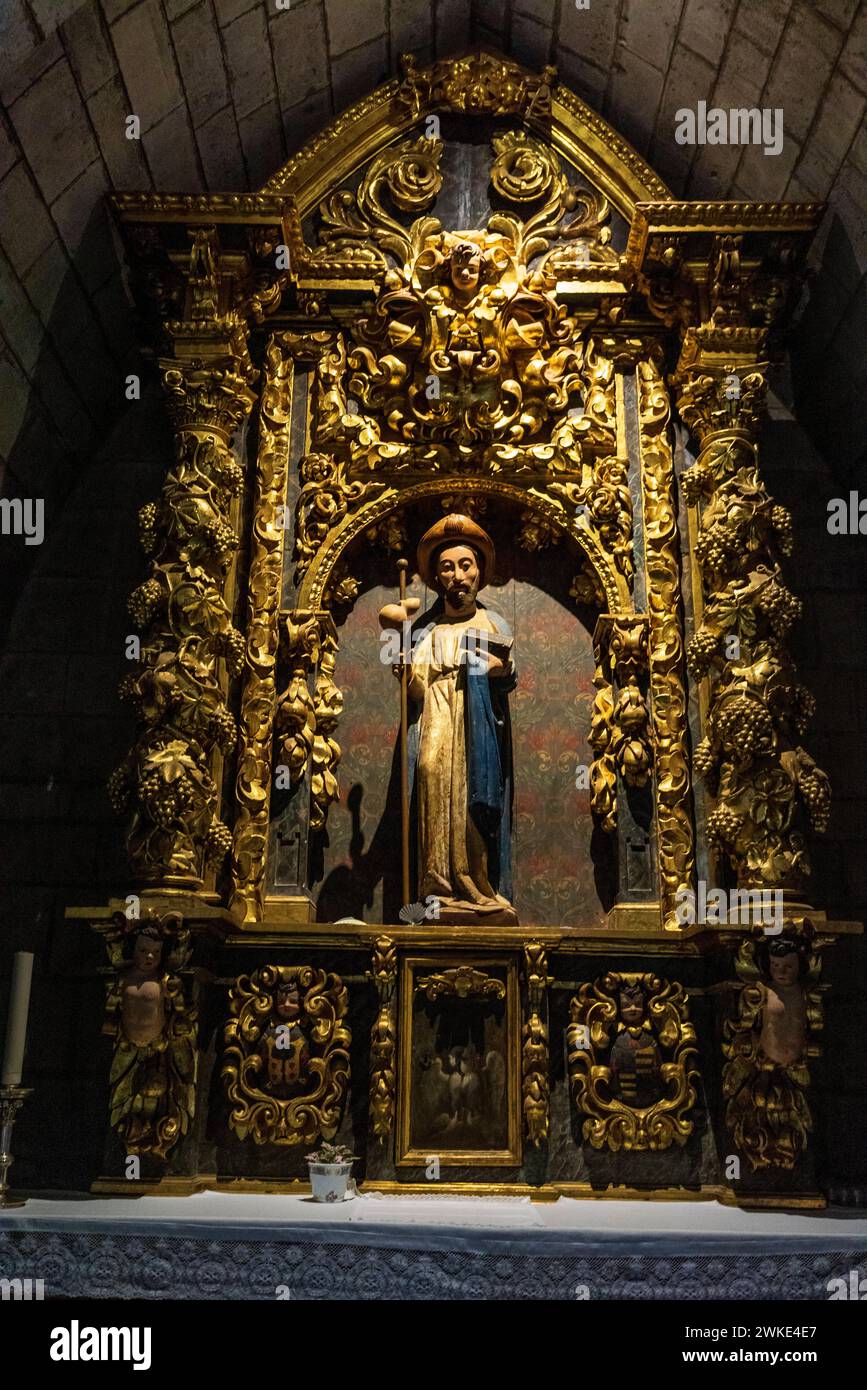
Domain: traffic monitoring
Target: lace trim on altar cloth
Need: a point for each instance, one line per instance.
(100, 1266)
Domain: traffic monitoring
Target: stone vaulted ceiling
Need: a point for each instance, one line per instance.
(226, 89)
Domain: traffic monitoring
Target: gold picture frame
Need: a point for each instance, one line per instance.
(459, 1062)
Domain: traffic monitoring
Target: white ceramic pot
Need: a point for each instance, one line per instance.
(330, 1181)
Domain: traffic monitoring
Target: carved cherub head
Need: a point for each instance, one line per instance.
(784, 962)
(147, 950)
(466, 266)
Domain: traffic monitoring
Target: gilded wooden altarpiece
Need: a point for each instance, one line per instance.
(344, 361)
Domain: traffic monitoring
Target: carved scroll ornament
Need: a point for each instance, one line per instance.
(286, 1064)
(631, 1056)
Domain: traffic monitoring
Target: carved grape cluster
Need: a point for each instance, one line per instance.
(221, 538)
(695, 481)
(815, 788)
(234, 649)
(714, 548)
(218, 842)
(781, 607)
(165, 801)
(127, 689)
(119, 790)
(745, 727)
(723, 827)
(227, 472)
(223, 729)
(705, 758)
(805, 708)
(700, 651)
(143, 602)
(147, 522)
(781, 520)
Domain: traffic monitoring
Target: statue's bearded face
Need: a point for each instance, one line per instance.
(458, 576)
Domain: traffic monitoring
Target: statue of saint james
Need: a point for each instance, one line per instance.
(459, 738)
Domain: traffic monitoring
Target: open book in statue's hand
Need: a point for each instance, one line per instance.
(494, 642)
(488, 652)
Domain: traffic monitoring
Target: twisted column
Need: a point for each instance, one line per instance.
(168, 784)
(767, 788)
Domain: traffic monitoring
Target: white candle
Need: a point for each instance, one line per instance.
(16, 1025)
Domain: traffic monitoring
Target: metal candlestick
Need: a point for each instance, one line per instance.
(11, 1100)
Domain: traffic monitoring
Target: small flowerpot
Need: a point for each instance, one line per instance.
(330, 1181)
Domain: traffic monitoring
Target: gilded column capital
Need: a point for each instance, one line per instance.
(719, 385)
(211, 394)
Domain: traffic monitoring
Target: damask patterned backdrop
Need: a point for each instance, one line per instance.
(556, 878)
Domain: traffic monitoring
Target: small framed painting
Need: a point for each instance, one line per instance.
(459, 1063)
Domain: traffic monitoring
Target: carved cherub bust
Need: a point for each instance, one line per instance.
(784, 1015)
(285, 1048)
(142, 989)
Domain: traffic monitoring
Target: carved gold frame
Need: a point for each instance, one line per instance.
(256, 1113)
(608, 1120)
(667, 687)
(469, 975)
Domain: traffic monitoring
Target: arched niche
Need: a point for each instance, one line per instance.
(565, 868)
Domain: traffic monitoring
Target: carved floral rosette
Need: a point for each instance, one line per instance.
(767, 1106)
(152, 1084)
(593, 1031)
(299, 1119)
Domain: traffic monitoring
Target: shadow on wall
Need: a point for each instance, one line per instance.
(817, 454)
(829, 359)
(62, 728)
